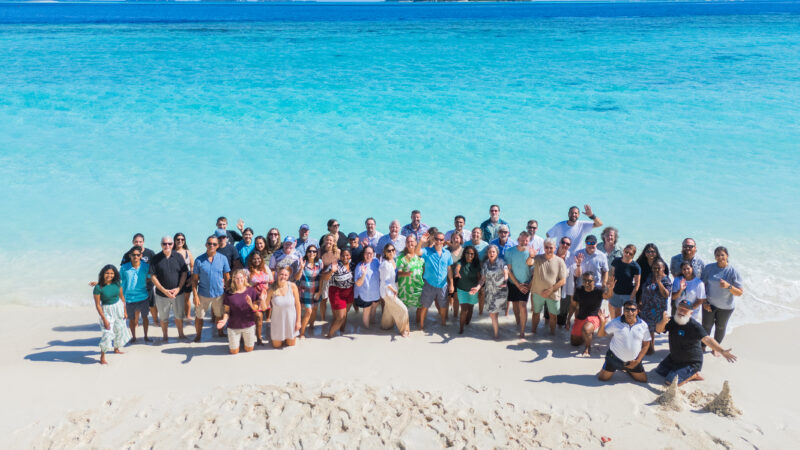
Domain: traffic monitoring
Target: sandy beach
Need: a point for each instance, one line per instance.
(373, 389)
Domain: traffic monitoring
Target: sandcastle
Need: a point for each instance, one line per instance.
(722, 405)
(671, 398)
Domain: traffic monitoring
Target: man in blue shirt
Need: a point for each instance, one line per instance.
(211, 274)
(437, 278)
(502, 241)
(416, 227)
(491, 226)
(134, 276)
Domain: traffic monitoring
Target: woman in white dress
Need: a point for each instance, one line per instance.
(284, 300)
(394, 311)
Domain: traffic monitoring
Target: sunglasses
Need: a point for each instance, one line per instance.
(533, 228)
(591, 243)
(272, 234)
(166, 243)
(439, 240)
(629, 309)
(180, 239)
(566, 243)
(311, 251)
(211, 244)
(390, 250)
(688, 246)
(336, 225)
(136, 255)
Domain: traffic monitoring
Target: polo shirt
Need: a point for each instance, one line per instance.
(519, 264)
(210, 274)
(436, 266)
(626, 340)
(134, 282)
(168, 270)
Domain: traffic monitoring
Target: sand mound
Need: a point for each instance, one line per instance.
(333, 416)
(722, 405)
(671, 397)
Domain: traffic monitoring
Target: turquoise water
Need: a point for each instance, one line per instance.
(669, 122)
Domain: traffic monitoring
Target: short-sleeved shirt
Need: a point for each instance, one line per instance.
(536, 244)
(596, 263)
(241, 315)
(697, 264)
(466, 235)
(301, 246)
(717, 296)
(626, 340)
(231, 254)
(370, 290)
(436, 266)
(695, 289)
(399, 244)
(244, 250)
(546, 273)
(134, 281)
(575, 233)
(146, 255)
(356, 256)
(279, 260)
(685, 342)
(373, 240)
(518, 260)
(490, 229)
(615, 253)
(309, 282)
(211, 282)
(109, 294)
(589, 303)
(168, 271)
(502, 248)
(624, 273)
(342, 277)
(482, 247)
(407, 229)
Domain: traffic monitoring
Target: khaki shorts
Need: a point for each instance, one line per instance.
(538, 304)
(166, 304)
(235, 335)
(214, 303)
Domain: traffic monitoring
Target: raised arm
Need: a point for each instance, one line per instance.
(596, 222)
(718, 350)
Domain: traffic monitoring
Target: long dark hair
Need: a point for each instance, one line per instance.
(101, 279)
(647, 270)
(185, 244)
(476, 260)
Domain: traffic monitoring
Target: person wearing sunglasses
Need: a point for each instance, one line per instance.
(307, 281)
(168, 273)
(567, 291)
(210, 276)
(273, 244)
(630, 339)
(134, 276)
(437, 278)
(147, 254)
(502, 240)
(182, 249)
(590, 259)
(536, 243)
(394, 311)
(587, 302)
(688, 253)
(627, 275)
(333, 229)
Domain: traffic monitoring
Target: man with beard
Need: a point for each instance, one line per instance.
(688, 252)
(574, 229)
(685, 359)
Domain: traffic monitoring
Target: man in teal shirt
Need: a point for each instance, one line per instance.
(437, 278)
(134, 276)
(519, 279)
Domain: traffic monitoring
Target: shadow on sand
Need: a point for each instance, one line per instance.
(70, 356)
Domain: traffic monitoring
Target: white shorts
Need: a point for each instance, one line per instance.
(235, 335)
(166, 304)
(206, 303)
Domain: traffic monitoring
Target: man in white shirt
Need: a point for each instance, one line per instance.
(630, 339)
(536, 244)
(573, 229)
(459, 223)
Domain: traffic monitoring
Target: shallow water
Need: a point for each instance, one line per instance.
(671, 120)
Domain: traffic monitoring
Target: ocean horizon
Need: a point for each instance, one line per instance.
(670, 119)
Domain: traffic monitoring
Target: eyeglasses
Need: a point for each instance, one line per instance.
(272, 234)
(311, 251)
(211, 244)
(566, 243)
(629, 309)
(688, 246)
(180, 239)
(166, 243)
(136, 255)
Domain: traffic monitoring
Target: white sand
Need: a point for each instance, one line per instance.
(374, 390)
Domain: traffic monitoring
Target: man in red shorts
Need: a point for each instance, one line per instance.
(587, 300)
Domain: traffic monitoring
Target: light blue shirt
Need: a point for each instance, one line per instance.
(134, 282)
(244, 250)
(481, 247)
(370, 290)
(399, 244)
(211, 282)
(301, 246)
(519, 264)
(436, 266)
(509, 243)
(717, 296)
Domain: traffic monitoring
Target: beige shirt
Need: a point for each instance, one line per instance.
(546, 273)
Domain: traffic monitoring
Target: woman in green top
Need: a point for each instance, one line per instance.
(110, 304)
(409, 273)
(468, 269)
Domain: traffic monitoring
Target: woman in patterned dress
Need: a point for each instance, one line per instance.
(494, 276)
(260, 277)
(656, 291)
(307, 280)
(409, 274)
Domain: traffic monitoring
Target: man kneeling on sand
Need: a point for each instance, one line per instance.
(685, 357)
(587, 301)
(630, 339)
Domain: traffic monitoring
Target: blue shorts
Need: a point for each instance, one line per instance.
(431, 294)
(617, 300)
(142, 306)
(363, 304)
(669, 370)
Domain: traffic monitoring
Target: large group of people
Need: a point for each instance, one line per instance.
(244, 283)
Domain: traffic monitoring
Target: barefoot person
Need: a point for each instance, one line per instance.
(520, 260)
(491, 226)
(284, 300)
(722, 283)
(494, 279)
(307, 281)
(574, 229)
(368, 284)
(587, 301)
(685, 358)
(168, 273)
(240, 304)
(690, 288)
(467, 284)
(211, 274)
(260, 277)
(549, 274)
(138, 240)
(394, 311)
(437, 277)
(409, 275)
(688, 253)
(109, 301)
(630, 339)
(134, 277)
(627, 275)
(182, 249)
(655, 295)
(340, 291)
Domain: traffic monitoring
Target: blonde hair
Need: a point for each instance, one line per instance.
(236, 273)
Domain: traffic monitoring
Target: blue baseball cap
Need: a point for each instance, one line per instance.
(304, 227)
(220, 233)
(289, 239)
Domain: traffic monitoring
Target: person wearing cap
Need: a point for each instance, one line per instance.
(630, 339)
(574, 229)
(303, 240)
(356, 249)
(590, 259)
(416, 227)
(491, 226)
(370, 236)
(210, 275)
(287, 256)
(502, 241)
(228, 250)
(686, 336)
(394, 237)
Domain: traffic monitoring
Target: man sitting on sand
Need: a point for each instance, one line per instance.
(587, 301)
(630, 339)
(685, 357)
